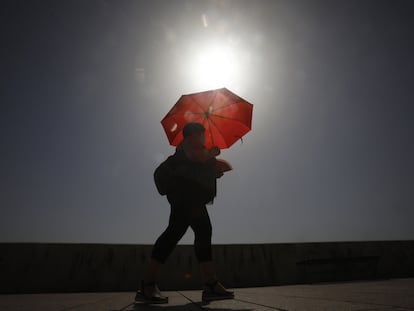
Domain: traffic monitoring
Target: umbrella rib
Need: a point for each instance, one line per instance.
(213, 99)
(211, 134)
(188, 112)
(228, 105)
(222, 107)
(199, 105)
(218, 129)
(227, 118)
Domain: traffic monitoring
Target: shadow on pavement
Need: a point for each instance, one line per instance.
(225, 309)
(188, 306)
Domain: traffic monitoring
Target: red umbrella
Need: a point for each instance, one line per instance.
(226, 117)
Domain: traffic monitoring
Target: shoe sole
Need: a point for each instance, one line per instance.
(139, 298)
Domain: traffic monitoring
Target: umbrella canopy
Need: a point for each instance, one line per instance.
(225, 116)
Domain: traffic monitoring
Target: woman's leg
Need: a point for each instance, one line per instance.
(153, 271)
(163, 247)
(201, 225)
(165, 244)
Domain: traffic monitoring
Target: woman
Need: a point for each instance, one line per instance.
(195, 174)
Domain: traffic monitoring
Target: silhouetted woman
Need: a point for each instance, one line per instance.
(195, 174)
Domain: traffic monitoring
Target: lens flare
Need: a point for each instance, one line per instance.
(174, 127)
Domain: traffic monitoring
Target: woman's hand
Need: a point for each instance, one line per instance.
(215, 151)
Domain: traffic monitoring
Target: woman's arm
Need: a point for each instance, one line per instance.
(195, 151)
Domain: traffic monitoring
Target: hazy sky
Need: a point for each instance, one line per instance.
(84, 85)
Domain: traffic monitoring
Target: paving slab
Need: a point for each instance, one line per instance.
(72, 301)
(379, 295)
(386, 295)
(176, 302)
(230, 304)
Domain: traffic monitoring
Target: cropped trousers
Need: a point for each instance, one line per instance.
(182, 216)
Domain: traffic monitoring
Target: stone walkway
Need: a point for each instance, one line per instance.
(386, 295)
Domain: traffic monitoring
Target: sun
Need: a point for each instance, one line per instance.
(214, 67)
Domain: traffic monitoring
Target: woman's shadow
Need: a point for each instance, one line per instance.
(189, 306)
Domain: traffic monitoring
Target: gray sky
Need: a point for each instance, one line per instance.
(84, 85)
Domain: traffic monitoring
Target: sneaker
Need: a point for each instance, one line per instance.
(215, 291)
(150, 294)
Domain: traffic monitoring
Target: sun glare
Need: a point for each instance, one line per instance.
(215, 67)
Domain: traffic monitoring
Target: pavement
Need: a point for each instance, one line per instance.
(381, 295)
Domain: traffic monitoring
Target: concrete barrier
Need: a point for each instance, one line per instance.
(34, 268)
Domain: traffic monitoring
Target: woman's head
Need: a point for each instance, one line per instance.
(194, 128)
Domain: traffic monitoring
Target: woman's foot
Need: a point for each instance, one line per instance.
(150, 293)
(215, 291)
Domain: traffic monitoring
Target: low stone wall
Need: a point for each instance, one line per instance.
(34, 268)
